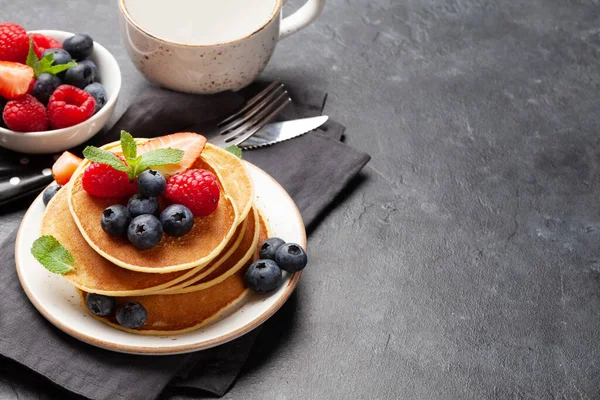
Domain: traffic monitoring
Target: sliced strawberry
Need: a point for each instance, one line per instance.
(31, 86)
(64, 167)
(15, 79)
(191, 143)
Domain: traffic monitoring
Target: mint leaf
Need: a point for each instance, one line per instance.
(158, 157)
(46, 62)
(52, 255)
(235, 150)
(32, 59)
(128, 146)
(56, 69)
(105, 157)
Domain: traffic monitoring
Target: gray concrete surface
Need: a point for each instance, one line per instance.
(466, 264)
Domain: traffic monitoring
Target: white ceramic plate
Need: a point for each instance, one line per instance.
(58, 301)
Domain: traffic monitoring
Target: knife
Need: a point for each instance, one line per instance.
(280, 131)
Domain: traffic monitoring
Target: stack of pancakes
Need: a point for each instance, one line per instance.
(183, 282)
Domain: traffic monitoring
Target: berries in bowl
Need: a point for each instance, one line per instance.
(57, 89)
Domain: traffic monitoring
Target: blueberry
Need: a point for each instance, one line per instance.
(80, 76)
(98, 93)
(44, 86)
(151, 183)
(93, 67)
(269, 247)
(177, 220)
(80, 46)
(291, 257)
(263, 276)
(115, 220)
(139, 205)
(131, 315)
(99, 304)
(49, 193)
(60, 56)
(145, 231)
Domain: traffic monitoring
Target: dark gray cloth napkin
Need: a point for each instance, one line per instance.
(314, 169)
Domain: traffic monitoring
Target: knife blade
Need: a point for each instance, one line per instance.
(279, 131)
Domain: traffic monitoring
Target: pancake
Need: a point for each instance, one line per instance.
(201, 245)
(180, 313)
(224, 267)
(94, 273)
(234, 176)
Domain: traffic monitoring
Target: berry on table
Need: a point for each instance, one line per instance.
(43, 43)
(177, 220)
(144, 231)
(98, 93)
(80, 46)
(2, 104)
(151, 183)
(44, 86)
(268, 248)
(14, 43)
(263, 276)
(101, 180)
(131, 315)
(60, 56)
(15, 79)
(100, 305)
(81, 75)
(25, 114)
(64, 166)
(49, 193)
(115, 220)
(291, 257)
(138, 205)
(69, 106)
(197, 189)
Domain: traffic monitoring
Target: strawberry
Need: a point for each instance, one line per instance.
(43, 43)
(101, 180)
(14, 43)
(197, 189)
(64, 167)
(15, 79)
(191, 143)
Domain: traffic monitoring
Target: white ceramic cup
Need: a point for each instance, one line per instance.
(226, 49)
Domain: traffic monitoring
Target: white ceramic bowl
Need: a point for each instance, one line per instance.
(58, 140)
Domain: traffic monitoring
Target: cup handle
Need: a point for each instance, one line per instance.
(303, 17)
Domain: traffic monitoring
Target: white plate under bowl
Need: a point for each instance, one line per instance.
(58, 301)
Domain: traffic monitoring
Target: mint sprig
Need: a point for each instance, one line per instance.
(52, 255)
(45, 64)
(235, 150)
(134, 164)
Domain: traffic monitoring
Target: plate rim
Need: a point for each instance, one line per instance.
(171, 350)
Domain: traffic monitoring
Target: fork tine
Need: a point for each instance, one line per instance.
(260, 104)
(251, 120)
(251, 102)
(259, 122)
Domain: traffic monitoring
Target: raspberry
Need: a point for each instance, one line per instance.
(44, 43)
(69, 106)
(25, 114)
(14, 43)
(102, 180)
(197, 189)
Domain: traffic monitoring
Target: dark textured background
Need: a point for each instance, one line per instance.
(466, 264)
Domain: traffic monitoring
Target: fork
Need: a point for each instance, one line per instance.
(256, 113)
